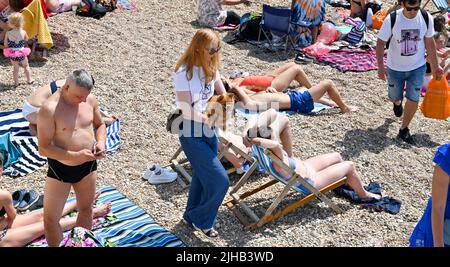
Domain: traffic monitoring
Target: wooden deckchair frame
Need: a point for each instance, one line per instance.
(184, 179)
(236, 200)
(442, 11)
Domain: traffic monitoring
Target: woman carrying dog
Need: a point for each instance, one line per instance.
(196, 80)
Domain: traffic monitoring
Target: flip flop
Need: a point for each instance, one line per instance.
(17, 197)
(29, 199)
(301, 58)
(210, 233)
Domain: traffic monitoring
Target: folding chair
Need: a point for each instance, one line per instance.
(277, 21)
(441, 5)
(265, 157)
(185, 178)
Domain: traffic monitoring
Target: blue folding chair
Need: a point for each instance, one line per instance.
(277, 21)
(441, 5)
(265, 157)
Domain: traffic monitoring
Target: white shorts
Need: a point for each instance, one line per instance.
(28, 109)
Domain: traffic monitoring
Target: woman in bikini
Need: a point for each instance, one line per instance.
(256, 94)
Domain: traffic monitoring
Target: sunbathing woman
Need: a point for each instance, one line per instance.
(271, 130)
(34, 102)
(20, 230)
(272, 96)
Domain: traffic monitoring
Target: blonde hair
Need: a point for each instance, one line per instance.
(195, 53)
(15, 20)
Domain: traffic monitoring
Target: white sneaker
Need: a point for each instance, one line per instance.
(158, 175)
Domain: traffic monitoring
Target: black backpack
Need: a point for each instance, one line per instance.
(393, 16)
(249, 27)
(89, 8)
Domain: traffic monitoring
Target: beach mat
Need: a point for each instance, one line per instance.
(14, 122)
(127, 225)
(126, 4)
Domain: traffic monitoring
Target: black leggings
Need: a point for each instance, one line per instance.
(232, 18)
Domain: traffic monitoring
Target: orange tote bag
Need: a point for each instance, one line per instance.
(436, 104)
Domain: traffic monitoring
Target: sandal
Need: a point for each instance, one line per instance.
(302, 59)
(211, 232)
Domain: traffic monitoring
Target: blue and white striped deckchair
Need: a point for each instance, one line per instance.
(441, 5)
(131, 226)
(14, 122)
(265, 157)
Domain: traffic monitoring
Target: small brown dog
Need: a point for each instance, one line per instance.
(220, 106)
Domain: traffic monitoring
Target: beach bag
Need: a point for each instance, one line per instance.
(110, 5)
(436, 104)
(356, 33)
(248, 30)
(89, 8)
(378, 19)
(174, 117)
(10, 153)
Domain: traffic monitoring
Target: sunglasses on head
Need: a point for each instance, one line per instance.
(212, 51)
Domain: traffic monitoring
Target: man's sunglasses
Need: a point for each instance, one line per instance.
(412, 8)
(212, 51)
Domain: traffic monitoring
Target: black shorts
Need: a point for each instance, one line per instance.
(70, 174)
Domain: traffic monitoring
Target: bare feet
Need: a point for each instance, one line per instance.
(370, 195)
(102, 210)
(349, 109)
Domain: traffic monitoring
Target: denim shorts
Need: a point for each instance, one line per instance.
(301, 102)
(413, 79)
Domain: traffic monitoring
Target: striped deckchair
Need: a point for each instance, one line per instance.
(265, 157)
(441, 5)
(14, 122)
(184, 179)
(128, 224)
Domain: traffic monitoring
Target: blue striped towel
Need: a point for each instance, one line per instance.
(128, 224)
(14, 122)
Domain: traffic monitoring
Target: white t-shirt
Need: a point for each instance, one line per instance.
(200, 92)
(407, 47)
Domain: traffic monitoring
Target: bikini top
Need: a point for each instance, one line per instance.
(13, 44)
(263, 81)
(53, 87)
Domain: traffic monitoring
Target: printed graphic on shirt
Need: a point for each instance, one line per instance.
(205, 92)
(410, 42)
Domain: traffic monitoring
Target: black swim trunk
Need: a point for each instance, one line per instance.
(70, 174)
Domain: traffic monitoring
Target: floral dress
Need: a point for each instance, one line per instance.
(210, 13)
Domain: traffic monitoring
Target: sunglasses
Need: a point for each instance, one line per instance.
(212, 51)
(412, 8)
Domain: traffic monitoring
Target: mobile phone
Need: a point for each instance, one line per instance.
(99, 152)
(2, 212)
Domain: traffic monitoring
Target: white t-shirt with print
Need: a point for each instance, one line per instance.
(407, 46)
(200, 92)
(210, 13)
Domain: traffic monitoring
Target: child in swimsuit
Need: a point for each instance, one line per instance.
(15, 49)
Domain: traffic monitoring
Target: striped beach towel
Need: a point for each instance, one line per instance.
(14, 122)
(127, 225)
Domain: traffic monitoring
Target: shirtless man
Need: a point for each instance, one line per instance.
(33, 103)
(65, 125)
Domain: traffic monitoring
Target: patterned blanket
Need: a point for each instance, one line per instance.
(351, 60)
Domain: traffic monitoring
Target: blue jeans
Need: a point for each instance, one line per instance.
(413, 79)
(209, 180)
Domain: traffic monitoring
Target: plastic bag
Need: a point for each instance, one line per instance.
(436, 104)
(317, 49)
